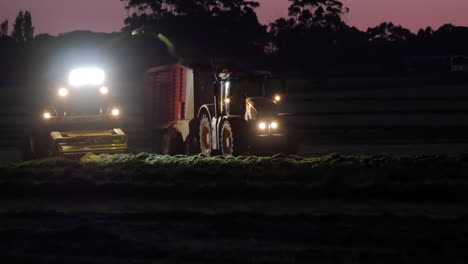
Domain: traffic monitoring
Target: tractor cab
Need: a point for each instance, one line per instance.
(245, 94)
(78, 119)
(250, 96)
(84, 92)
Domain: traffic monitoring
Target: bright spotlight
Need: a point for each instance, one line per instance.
(274, 125)
(115, 112)
(86, 76)
(104, 90)
(47, 115)
(262, 125)
(277, 98)
(63, 92)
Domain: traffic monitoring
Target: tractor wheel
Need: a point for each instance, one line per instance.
(231, 140)
(192, 142)
(227, 139)
(205, 136)
(192, 145)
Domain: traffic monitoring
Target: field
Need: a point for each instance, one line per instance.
(322, 208)
(243, 177)
(149, 208)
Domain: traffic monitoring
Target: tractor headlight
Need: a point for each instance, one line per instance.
(115, 112)
(86, 76)
(47, 115)
(104, 90)
(63, 92)
(277, 98)
(262, 125)
(274, 125)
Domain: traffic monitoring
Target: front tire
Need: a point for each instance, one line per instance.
(227, 139)
(232, 139)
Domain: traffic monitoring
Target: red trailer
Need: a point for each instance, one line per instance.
(171, 106)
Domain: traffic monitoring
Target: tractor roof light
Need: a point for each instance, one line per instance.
(86, 76)
(104, 90)
(63, 92)
(277, 98)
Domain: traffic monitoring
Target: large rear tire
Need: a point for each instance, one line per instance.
(205, 136)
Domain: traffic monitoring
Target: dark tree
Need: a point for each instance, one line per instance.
(202, 29)
(389, 32)
(317, 13)
(18, 32)
(155, 10)
(425, 34)
(450, 40)
(23, 30)
(4, 28)
(28, 29)
(313, 36)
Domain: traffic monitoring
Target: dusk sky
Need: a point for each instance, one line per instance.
(58, 16)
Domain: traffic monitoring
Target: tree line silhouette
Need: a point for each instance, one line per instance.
(312, 40)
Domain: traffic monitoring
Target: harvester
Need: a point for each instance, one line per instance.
(80, 118)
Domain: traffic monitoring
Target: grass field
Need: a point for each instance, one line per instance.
(150, 208)
(419, 177)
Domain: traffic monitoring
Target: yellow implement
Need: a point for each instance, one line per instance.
(78, 143)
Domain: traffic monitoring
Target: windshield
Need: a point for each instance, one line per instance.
(261, 108)
(247, 87)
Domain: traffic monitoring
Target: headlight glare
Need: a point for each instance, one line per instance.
(262, 125)
(47, 115)
(274, 125)
(86, 76)
(115, 112)
(63, 92)
(104, 90)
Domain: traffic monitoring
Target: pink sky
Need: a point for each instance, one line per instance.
(57, 16)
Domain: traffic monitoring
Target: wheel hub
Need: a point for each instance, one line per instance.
(227, 142)
(206, 138)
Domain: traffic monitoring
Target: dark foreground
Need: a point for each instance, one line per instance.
(156, 209)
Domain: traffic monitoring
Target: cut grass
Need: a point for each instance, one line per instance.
(360, 177)
(342, 168)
